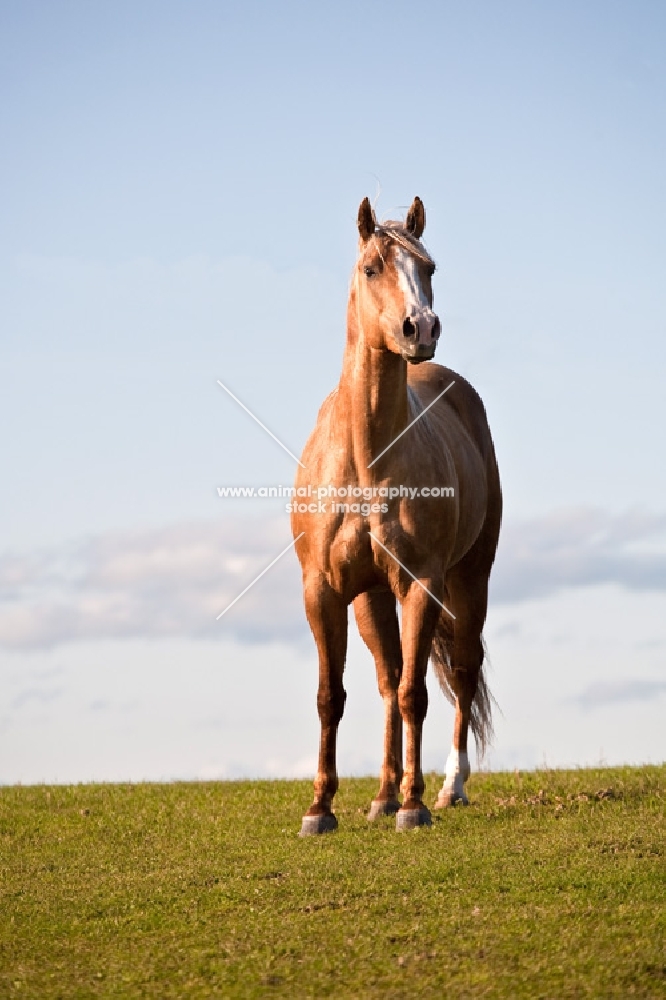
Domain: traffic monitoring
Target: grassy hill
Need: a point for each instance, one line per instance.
(551, 884)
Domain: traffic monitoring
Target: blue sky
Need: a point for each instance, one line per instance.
(181, 184)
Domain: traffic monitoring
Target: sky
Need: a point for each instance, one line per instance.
(181, 183)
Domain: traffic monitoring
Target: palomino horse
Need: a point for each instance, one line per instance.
(374, 439)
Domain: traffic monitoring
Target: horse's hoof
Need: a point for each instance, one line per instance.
(311, 825)
(383, 807)
(409, 819)
(447, 799)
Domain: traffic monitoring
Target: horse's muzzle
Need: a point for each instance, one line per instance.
(418, 337)
(424, 354)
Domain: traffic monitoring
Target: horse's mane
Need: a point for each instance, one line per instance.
(396, 231)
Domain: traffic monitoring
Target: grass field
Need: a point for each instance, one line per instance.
(551, 884)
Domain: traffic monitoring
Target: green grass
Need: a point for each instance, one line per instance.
(551, 884)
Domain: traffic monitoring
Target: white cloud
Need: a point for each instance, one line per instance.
(620, 692)
(176, 580)
(579, 547)
(168, 582)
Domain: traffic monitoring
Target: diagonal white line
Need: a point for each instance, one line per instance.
(397, 438)
(263, 426)
(291, 545)
(409, 573)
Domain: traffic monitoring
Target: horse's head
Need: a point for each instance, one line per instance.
(393, 285)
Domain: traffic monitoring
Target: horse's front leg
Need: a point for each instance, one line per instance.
(378, 625)
(327, 615)
(420, 614)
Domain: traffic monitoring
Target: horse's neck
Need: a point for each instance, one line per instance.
(374, 395)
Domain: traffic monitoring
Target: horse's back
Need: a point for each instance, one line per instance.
(462, 400)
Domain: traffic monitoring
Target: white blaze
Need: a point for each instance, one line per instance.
(410, 283)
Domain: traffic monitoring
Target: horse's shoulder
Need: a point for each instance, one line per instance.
(325, 431)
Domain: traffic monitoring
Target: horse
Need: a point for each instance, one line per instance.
(397, 431)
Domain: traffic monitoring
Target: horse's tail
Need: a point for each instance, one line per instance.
(441, 658)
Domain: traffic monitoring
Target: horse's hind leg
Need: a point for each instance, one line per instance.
(469, 602)
(377, 622)
(327, 615)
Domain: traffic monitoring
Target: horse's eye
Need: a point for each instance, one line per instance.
(369, 272)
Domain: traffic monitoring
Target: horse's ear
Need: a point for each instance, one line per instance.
(366, 220)
(415, 222)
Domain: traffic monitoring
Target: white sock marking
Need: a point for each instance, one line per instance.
(457, 773)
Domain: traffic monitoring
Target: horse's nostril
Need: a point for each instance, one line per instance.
(436, 329)
(409, 328)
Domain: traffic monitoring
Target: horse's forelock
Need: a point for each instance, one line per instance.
(396, 232)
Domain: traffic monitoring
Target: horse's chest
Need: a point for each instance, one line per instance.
(349, 558)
